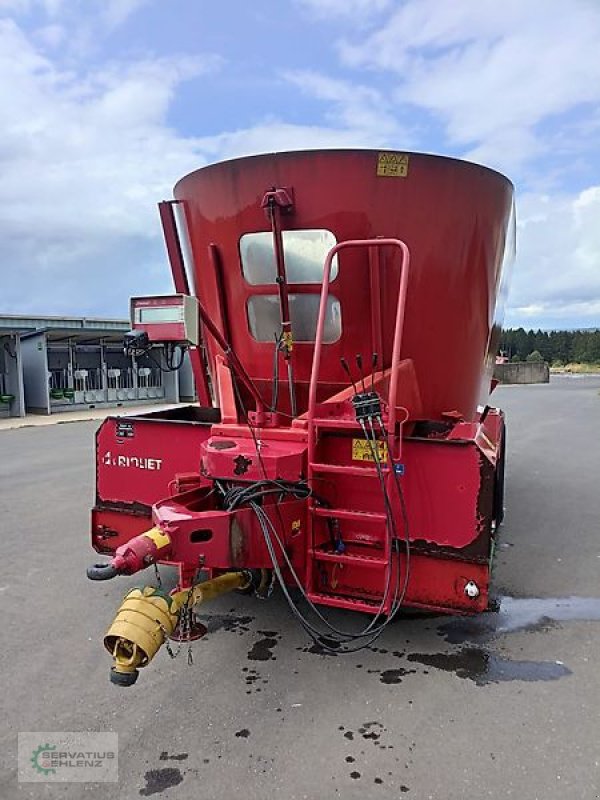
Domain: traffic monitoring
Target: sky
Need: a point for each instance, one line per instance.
(107, 103)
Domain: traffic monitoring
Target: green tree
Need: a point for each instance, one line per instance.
(579, 346)
(535, 357)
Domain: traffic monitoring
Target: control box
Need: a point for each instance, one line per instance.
(166, 318)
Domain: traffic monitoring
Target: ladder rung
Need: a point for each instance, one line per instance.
(351, 559)
(347, 513)
(338, 601)
(345, 469)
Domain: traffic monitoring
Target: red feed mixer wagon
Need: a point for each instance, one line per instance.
(341, 310)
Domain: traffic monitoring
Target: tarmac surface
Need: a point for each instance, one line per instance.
(505, 705)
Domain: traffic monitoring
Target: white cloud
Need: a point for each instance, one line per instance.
(86, 154)
(273, 135)
(84, 158)
(491, 72)
(557, 275)
(353, 106)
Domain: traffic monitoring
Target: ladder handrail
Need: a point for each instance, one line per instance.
(397, 344)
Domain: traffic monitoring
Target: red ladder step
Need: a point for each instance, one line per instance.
(352, 559)
(350, 514)
(344, 469)
(340, 601)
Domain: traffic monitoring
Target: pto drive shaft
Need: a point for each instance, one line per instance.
(148, 616)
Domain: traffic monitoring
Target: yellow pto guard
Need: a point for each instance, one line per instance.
(148, 616)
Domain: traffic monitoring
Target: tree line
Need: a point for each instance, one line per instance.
(556, 347)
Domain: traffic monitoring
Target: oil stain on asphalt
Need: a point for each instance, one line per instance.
(157, 780)
(233, 623)
(164, 756)
(262, 650)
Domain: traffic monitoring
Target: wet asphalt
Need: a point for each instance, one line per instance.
(506, 705)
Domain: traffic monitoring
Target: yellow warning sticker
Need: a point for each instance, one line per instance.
(363, 450)
(159, 538)
(392, 165)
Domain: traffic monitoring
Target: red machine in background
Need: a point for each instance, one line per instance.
(341, 312)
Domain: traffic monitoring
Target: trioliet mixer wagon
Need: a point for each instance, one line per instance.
(341, 310)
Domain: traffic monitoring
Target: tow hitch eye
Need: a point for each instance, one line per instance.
(138, 553)
(148, 616)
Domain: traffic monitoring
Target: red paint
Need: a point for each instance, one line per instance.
(453, 217)
(419, 269)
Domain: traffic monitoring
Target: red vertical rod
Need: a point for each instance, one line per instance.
(286, 324)
(397, 347)
(180, 281)
(376, 321)
(284, 300)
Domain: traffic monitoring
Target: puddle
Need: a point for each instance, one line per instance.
(394, 675)
(251, 678)
(263, 650)
(157, 780)
(517, 614)
(483, 667)
(227, 622)
(324, 649)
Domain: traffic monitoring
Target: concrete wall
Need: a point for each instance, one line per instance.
(522, 372)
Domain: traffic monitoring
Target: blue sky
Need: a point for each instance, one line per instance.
(106, 103)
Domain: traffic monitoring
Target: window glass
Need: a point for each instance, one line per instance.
(265, 320)
(305, 253)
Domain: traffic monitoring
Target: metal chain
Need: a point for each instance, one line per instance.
(157, 573)
(184, 625)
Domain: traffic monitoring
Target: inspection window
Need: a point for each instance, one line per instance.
(305, 252)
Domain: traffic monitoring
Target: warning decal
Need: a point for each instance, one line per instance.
(363, 451)
(392, 165)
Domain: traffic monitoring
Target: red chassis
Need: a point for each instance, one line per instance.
(168, 462)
